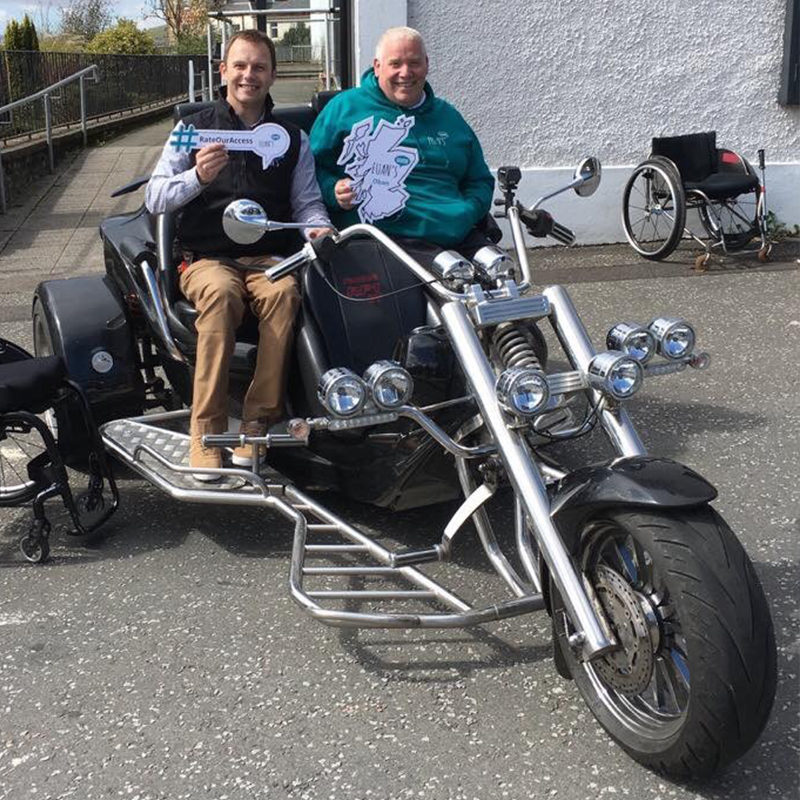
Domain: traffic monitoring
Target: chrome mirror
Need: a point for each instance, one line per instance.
(244, 221)
(589, 172)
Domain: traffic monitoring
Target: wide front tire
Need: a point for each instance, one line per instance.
(693, 686)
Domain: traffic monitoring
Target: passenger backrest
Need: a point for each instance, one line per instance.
(360, 325)
(694, 154)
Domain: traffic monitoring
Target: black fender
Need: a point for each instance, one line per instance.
(638, 481)
(86, 322)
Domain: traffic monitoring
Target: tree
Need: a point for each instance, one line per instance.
(13, 36)
(86, 18)
(124, 38)
(30, 41)
(299, 34)
(182, 17)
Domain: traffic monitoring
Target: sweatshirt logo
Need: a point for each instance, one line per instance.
(378, 166)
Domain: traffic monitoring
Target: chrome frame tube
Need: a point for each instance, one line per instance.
(525, 479)
(580, 351)
(158, 317)
(519, 247)
(483, 525)
(431, 428)
(526, 544)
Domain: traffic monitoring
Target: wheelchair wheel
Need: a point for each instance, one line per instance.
(20, 443)
(738, 220)
(654, 209)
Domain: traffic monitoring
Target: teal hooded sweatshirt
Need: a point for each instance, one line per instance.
(446, 192)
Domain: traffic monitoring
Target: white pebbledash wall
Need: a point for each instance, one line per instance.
(544, 83)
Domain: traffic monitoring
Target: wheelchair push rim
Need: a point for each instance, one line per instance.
(653, 210)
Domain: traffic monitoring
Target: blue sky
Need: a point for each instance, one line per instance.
(16, 9)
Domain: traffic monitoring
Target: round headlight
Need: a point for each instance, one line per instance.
(634, 340)
(453, 268)
(674, 336)
(523, 391)
(615, 373)
(391, 386)
(494, 263)
(342, 392)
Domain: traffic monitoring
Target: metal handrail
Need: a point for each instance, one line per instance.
(44, 94)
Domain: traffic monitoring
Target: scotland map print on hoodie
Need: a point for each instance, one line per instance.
(378, 165)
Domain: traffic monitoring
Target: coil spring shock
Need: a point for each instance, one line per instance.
(515, 346)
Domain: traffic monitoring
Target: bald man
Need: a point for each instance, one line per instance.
(392, 154)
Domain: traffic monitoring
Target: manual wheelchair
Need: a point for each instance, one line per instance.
(690, 172)
(31, 463)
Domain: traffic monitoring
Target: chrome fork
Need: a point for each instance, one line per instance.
(527, 482)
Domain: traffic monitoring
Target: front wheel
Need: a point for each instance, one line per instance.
(692, 686)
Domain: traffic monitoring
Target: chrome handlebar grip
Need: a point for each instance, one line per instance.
(291, 264)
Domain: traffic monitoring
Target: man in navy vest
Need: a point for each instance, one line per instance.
(201, 184)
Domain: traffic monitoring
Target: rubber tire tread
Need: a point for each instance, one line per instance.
(729, 636)
(673, 240)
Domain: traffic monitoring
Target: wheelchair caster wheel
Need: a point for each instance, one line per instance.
(701, 262)
(763, 253)
(36, 546)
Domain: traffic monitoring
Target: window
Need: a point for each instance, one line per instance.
(273, 30)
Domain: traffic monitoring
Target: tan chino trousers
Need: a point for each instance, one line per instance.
(219, 293)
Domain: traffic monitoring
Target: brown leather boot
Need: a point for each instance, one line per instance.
(203, 457)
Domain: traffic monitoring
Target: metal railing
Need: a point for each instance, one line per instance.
(45, 95)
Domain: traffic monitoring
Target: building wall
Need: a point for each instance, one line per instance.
(544, 83)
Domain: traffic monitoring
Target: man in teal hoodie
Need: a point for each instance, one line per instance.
(392, 154)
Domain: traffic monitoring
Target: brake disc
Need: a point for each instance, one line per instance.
(630, 669)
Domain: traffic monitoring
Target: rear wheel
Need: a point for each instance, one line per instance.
(737, 218)
(654, 209)
(692, 686)
(20, 443)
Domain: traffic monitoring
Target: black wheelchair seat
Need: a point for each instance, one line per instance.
(721, 185)
(30, 384)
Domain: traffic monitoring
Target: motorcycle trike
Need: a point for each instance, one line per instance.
(414, 384)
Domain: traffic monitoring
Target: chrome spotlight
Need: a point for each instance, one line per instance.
(342, 392)
(453, 268)
(675, 337)
(523, 391)
(391, 386)
(494, 262)
(635, 340)
(615, 373)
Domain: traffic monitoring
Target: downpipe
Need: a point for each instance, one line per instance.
(525, 480)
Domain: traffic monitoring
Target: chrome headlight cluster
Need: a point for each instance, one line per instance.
(494, 263)
(523, 391)
(453, 268)
(634, 340)
(390, 385)
(342, 392)
(615, 373)
(345, 394)
(675, 337)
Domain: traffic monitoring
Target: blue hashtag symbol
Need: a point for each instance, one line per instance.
(185, 138)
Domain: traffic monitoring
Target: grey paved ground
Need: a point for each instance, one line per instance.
(170, 662)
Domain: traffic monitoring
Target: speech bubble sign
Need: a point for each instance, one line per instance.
(269, 140)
